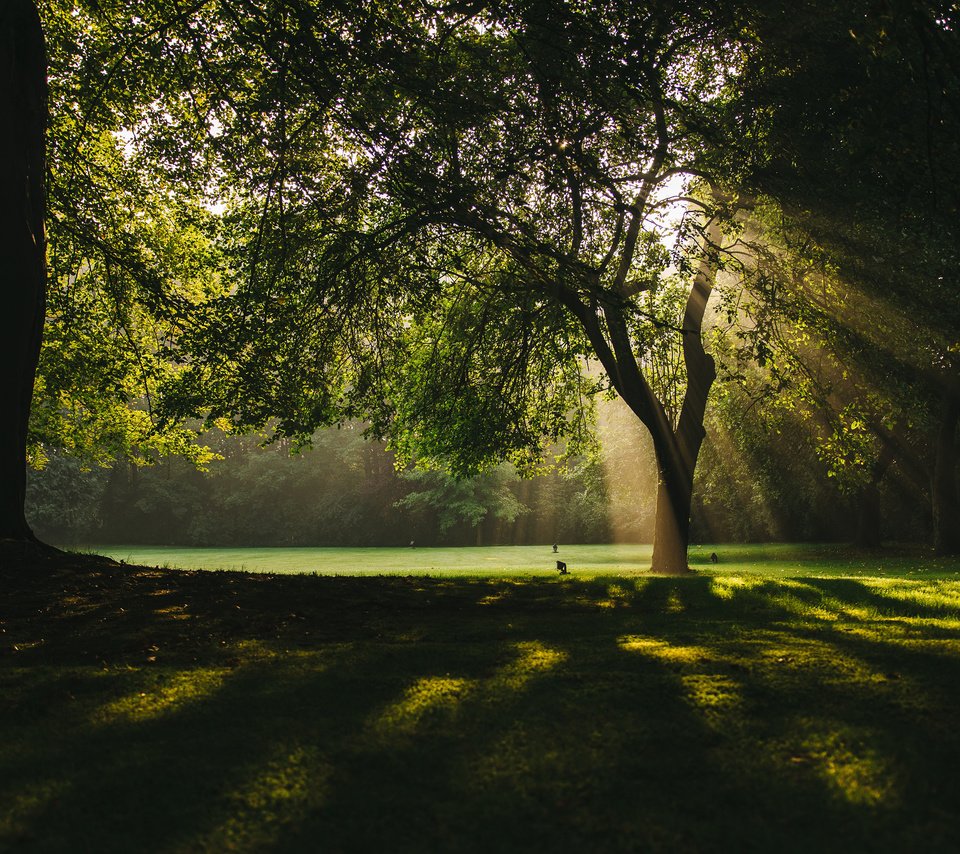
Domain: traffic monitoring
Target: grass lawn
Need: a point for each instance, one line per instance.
(771, 560)
(786, 700)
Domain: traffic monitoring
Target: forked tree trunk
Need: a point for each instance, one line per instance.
(943, 491)
(23, 108)
(677, 453)
(677, 449)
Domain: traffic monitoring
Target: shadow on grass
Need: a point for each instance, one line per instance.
(183, 712)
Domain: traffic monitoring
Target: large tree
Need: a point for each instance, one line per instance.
(444, 218)
(23, 104)
(448, 212)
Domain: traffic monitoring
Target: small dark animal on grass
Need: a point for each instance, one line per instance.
(713, 557)
(562, 567)
(555, 548)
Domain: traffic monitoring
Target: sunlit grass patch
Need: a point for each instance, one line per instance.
(847, 760)
(825, 655)
(174, 612)
(167, 694)
(533, 659)
(942, 596)
(727, 586)
(276, 794)
(428, 695)
(617, 595)
(715, 696)
(662, 650)
(674, 604)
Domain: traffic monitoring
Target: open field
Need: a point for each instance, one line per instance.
(740, 709)
(771, 560)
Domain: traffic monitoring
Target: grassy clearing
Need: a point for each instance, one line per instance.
(149, 710)
(771, 560)
(390, 561)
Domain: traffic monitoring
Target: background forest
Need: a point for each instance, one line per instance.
(345, 490)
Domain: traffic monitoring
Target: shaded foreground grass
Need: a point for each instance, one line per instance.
(149, 710)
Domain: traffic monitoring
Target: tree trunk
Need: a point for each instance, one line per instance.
(677, 450)
(671, 535)
(943, 492)
(867, 535)
(868, 503)
(23, 106)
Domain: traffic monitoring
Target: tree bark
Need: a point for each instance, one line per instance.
(868, 502)
(943, 491)
(23, 106)
(671, 534)
(678, 450)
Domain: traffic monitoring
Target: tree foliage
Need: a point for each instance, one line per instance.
(857, 112)
(461, 222)
(131, 245)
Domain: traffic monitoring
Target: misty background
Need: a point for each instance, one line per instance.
(346, 490)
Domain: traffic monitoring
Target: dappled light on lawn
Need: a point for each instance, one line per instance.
(729, 586)
(715, 696)
(533, 659)
(430, 695)
(617, 596)
(937, 597)
(663, 650)
(433, 695)
(470, 714)
(277, 794)
(712, 695)
(166, 695)
(847, 761)
(674, 603)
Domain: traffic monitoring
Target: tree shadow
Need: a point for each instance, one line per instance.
(429, 714)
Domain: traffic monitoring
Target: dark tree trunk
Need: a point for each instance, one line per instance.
(23, 106)
(943, 491)
(867, 535)
(868, 502)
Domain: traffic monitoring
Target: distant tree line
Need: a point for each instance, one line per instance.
(346, 491)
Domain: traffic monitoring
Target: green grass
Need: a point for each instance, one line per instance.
(739, 709)
(389, 561)
(772, 560)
